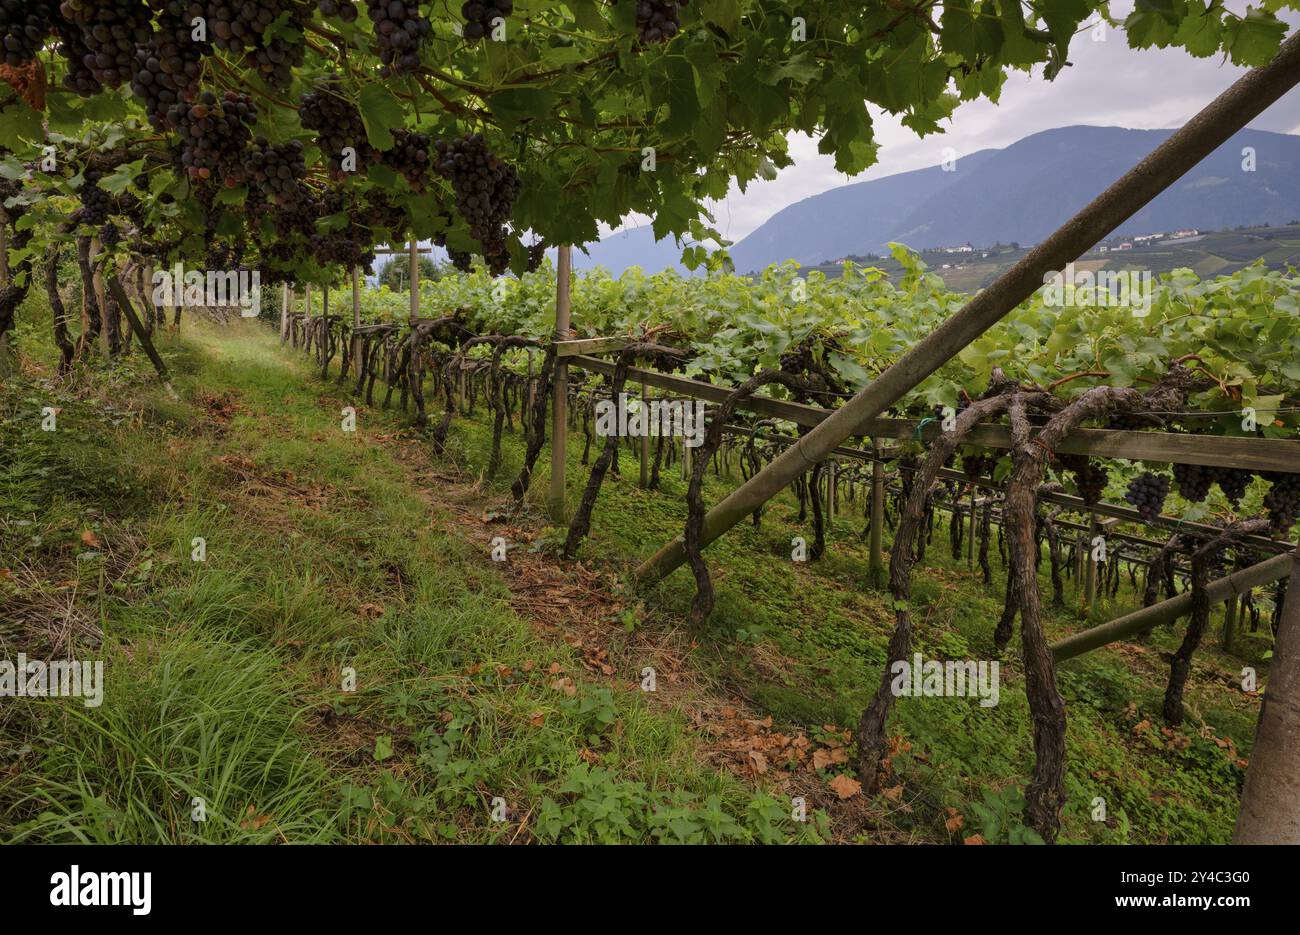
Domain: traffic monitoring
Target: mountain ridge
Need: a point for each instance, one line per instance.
(1020, 193)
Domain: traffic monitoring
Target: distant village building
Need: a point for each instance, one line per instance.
(1125, 246)
(1188, 232)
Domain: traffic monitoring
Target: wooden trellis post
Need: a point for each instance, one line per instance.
(834, 481)
(119, 295)
(560, 393)
(1270, 800)
(877, 567)
(1230, 622)
(970, 544)
(6, 361)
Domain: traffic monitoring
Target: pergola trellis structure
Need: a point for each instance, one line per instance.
(1276, 763)
(1271, 809)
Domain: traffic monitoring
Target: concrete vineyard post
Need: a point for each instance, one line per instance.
(560, 393)
(414, 252)
(645, 437)
(1089, 565)
(284, 311)
(356, 297)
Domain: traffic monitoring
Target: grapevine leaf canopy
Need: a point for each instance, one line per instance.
(600, 114)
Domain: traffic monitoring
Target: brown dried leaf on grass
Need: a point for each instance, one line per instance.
(845, 787)
(954, 820)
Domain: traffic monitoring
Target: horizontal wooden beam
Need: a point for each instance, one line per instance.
(589, 346)
(1259, 454)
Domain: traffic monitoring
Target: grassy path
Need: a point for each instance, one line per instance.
(493, 701)
(325, 555)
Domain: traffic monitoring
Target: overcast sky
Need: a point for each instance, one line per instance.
(1108, 85)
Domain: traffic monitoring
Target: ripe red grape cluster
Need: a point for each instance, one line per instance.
(79, 77)
(536, 253)
(1091, 480)
(96, 204)
(479, 15)
(328, 111)
(345, 10)
(240, 27)
(1147, 493)
(1233, 483)
(1282, 501)
(411, 156)
(110, 33)
(486, 187)
(1090, 477)
(1194, 481)
(400, 30)
(382, 217)
(168, 67)
(275, 171)
(214, 133)
(658, 20)
(24, 27)
(110, 235)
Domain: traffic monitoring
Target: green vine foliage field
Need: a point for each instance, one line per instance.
(1244, 327)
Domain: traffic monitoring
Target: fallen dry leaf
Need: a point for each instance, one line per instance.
(953, 823)
(757, 761)
(821, 759)
(845, 787)
(254, 820)
(893, 793)
(537, 718)
(975, 839)
(90, 539)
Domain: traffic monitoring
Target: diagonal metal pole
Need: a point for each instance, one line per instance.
(1225, 115)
